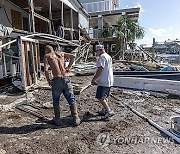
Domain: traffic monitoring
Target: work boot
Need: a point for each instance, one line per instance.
(56, 119)
(74, 114)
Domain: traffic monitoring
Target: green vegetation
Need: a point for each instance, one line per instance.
(126, 30)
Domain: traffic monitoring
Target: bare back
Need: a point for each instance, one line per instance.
(56, 62)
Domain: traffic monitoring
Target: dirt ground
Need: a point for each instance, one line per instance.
(33, 133)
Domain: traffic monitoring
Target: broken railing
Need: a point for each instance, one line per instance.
(83, 53)
(28, 60)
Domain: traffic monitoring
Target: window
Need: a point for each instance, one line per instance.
(107, 6)
(89, 7)
(101, 6)
(96, 7)
(25, 24)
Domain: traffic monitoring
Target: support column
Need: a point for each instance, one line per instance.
(0, 51)
(72, 24)
(50, 17)
(62, 14)
(153, 49)
(31, 16)
(100, 25)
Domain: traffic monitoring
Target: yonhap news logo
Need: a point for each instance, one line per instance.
(106, 139)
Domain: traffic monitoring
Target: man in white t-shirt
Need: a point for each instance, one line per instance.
(104, 80)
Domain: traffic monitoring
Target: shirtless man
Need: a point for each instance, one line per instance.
(60, 83)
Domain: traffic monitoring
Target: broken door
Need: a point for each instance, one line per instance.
(29, 61)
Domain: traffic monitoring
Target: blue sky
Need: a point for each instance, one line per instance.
(159, 18)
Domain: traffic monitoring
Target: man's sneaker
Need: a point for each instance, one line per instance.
(108, 114)
(102, 112)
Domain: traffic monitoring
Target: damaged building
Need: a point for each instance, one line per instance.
(27, 26)
(73, 26)
(103, 14)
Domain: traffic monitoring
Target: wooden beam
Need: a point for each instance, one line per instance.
(71, 24)
(62, 14)
(31, 10)
(33, 50)
(8, 43)
(41, 17)
(22, 63)
(50, 16)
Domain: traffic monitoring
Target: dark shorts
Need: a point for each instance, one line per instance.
(62, 85)
(102, 92)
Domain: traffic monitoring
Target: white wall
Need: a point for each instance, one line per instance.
(8, 6)
(83, 21)
(83, 17)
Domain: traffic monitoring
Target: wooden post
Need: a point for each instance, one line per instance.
(31, 10)
(50, 16)
(0, 51)
(71, 24)
(22, 63)
(62, 13)
(33, 51)
(4, 62)
(153, 49)
(100, 25)
(62, 19)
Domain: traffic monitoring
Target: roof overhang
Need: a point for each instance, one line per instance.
(43, 5)
(69, 4)
(111, 17)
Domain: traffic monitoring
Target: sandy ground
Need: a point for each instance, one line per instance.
(25, 133)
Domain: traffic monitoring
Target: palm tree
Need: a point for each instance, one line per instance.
(126, 30)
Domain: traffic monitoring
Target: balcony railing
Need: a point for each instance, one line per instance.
(98, 6)
(95, 33)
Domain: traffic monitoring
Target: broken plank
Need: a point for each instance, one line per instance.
(79, 90)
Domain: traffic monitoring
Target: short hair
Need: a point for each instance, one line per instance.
(49, 48)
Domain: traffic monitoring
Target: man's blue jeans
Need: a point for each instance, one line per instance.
(62, 85)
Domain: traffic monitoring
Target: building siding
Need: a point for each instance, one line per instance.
(8, 7)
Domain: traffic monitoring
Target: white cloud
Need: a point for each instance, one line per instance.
(160, 35)
(158, 32)
(145, 40)
(170, 28)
